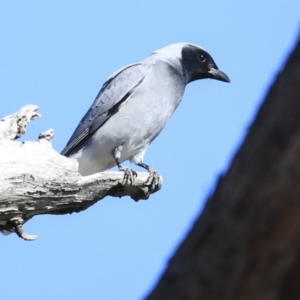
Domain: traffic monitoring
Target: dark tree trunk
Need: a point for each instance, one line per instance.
(246, 243)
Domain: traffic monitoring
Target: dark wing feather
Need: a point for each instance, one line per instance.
(112, 94)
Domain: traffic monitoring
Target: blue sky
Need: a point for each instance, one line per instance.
(57, 54)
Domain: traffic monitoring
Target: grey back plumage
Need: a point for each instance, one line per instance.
(112, 94)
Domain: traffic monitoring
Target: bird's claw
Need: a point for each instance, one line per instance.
(153, 180)
(129, 175)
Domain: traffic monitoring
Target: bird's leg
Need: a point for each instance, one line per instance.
(129, 174)
(153, 179)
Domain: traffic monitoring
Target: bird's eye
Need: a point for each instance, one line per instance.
(201, 58)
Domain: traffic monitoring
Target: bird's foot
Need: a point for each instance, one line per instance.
(154, 181)
(129, 175)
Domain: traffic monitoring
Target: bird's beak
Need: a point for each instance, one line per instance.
(218, 75)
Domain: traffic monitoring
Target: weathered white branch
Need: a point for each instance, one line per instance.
(35, 179)
(14, 126)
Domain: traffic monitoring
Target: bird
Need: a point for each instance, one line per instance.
(134, 105)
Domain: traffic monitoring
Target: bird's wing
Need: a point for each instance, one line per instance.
(112, 94)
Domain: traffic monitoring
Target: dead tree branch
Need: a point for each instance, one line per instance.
(36, 180)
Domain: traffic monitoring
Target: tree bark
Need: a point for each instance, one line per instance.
(35, 179)
(246, 242)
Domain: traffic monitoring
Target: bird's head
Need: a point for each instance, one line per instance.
(196, 63)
